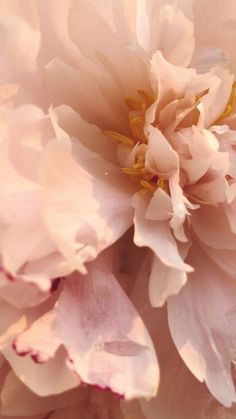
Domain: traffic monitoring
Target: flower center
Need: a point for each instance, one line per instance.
(138, 171)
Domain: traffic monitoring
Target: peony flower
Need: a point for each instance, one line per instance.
(118, 132)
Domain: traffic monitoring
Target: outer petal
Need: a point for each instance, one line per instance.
(211, 225)
(218, 20)
(87, 206)
(27, 403)
(201, 320)
(25, 243)
(44, 380)
(108, 347)
(124, 63)
(180, 395)
(172, 34)
(19, 43)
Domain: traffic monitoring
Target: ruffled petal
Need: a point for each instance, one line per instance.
(108, 347)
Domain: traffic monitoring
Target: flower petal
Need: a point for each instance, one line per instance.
(108, 347)
(163, 282)
(82, 228)
(200, 320)
(27, 403)
(157, 236)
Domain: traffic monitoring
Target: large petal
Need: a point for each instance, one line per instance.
(218, 20)
(109, 345)
(25, 243)
(180, 395)
(87, 205)
(211, 225)
(202, 321)
(124, 63)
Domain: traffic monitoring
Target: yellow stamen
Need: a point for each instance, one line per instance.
(229, 107)
(133, 171)
(133, 104)
(148, 99)
(119, 137)
(136, 120)
(200, 95)
(136, 125)
(148, 186)
(139, 165)
(163, 184)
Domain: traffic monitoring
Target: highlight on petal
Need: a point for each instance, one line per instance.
(164, 282)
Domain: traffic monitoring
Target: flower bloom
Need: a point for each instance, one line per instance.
(117, 194)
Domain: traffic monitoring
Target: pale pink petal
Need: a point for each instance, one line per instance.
(180, 395)
(142, 25)
(198, 315)
(19, 294)
(86, 207)
(215, 25)
(160, 156)
(54, 377)
(88, 134)
(205, 58)
(25, 9)
(125, 64)
(66, 85)
(108, 347)
(26, 403)
(172, 34)
(24, 237)
(19, 44)
(211, 225)
(157, 236)
(159, 207)
(214, 103)
(163, 282)
(230, 211)
(180, 207)
(169, 81)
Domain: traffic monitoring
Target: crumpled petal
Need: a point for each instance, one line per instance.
(108, 347)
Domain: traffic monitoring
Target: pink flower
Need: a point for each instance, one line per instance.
(120, 114)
